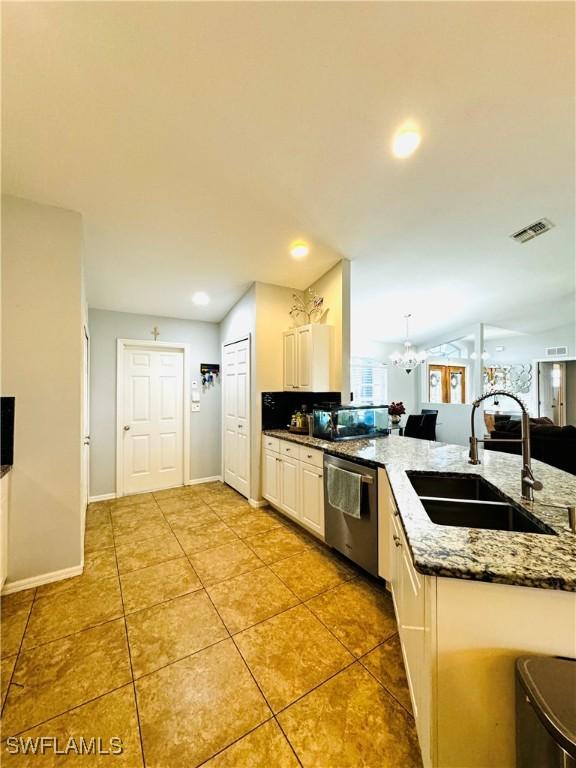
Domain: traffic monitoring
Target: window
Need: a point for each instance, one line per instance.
(446, 384)
(369, 381)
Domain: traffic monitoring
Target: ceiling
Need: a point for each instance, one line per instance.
(199, 139)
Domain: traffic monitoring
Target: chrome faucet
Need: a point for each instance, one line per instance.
(529, 483)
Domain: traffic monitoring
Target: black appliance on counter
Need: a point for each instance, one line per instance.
(278, 407)
(7, 405)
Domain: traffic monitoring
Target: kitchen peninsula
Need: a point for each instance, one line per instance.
(468, 600)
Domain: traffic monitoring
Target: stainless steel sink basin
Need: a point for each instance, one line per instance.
(469, 501)
(454, 486)
(494, 516)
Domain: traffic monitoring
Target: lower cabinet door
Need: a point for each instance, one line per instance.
(312, 497)
(271, 477)
(410, 607)
(289, 497)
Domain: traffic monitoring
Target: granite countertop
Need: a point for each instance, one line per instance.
(524, 559)
(4, 469)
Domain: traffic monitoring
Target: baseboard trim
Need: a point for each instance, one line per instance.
(199, 480)
(257, 504)
(101, 497)
(44, 578)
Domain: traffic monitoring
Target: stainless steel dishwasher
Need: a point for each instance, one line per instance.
(355, 538)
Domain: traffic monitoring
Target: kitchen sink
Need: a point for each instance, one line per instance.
(454, 486)
(494, 516)
(469, 501)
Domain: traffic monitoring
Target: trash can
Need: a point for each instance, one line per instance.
(545, 712)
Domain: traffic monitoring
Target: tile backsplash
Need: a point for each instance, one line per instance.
(278, 407)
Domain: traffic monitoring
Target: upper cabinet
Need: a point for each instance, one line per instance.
(307, 358)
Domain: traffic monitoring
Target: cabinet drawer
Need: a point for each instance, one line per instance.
(288, 449)
(270, 443)
(311, 456)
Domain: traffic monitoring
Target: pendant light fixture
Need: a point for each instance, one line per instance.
(409, 358)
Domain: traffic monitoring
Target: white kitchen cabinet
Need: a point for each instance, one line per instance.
(289, 495)
(271, 476)
(312, 497)
(304, 357)
(290, 360)
(307, 358)
(293, 481)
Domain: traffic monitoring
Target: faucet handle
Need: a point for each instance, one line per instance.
(473, 452)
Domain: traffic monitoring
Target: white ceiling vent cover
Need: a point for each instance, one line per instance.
(556, 351)
(527, 233)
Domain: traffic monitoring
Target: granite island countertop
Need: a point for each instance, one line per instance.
(522, 559)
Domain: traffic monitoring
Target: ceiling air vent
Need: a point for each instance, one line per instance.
(538, 228)
(556, 351)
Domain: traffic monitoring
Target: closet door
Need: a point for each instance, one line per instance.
(236, 400)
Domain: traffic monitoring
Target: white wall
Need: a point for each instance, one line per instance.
(334, 286)
(42, 368)
(527, 347)
(241, 320)
(205, 432)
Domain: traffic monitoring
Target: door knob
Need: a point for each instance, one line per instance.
(126, 427)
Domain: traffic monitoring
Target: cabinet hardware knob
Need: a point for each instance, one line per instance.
(126, 428)
(396, 513)
(397, 541)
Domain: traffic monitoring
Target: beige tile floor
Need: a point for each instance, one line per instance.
(205, 632)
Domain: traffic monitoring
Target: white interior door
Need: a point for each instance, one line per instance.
(152, 424)
(236, 391)
(85, 424)
(552, 384)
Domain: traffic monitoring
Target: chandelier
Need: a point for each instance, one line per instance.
(409, 358)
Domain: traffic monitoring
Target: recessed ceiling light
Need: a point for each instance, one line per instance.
(406, 142)
(201, 299)
(299, 249)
